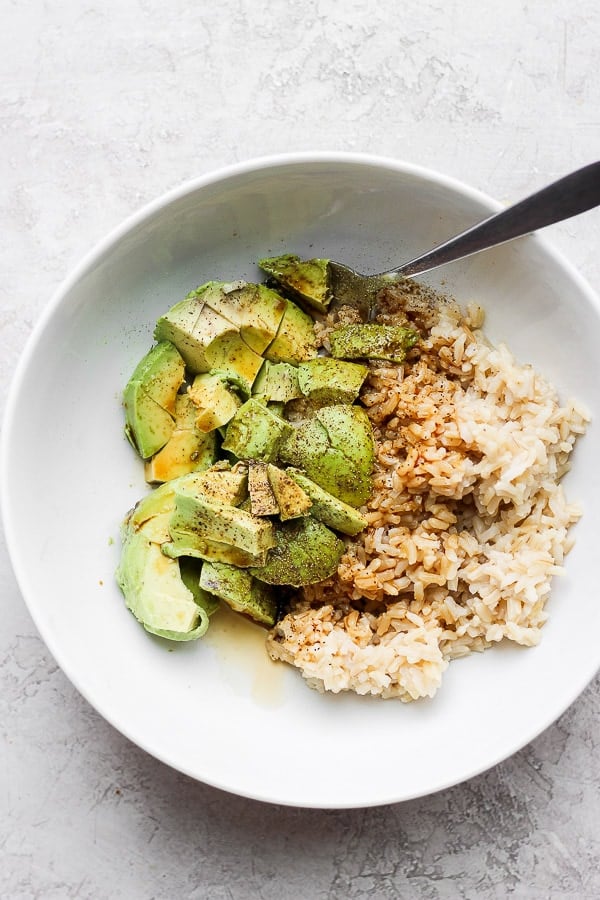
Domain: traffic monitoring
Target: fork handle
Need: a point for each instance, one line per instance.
(569, 196)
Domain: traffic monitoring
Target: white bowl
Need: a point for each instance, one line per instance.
(218, 709)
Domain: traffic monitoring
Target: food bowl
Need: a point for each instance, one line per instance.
(218, 709)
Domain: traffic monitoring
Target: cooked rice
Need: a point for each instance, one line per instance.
(467, 520)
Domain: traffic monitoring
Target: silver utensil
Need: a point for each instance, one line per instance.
(569, 196)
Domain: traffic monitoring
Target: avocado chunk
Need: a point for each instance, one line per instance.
(295, 340)
(305, 280)
(335, 449)
(240, 591)
(230, 355)
(371, 341)
(221, 483)
(178, 326)
(327, 508)
(262, 498)
(149, 399)
(255, 432)
(326, 380)
(306, 552)
(187, 450)
(277, 382)
(253, 308)
(207, 341)
(200, 525)
(291, 499)
(214, 400)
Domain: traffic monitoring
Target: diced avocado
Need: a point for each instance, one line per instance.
(306, 280)
(187, 450)
(327, 508)
(255, 432)
(199, 522)
(262, 498)
(149, 399)
(155, 593)
(148, 426)
(207, 341)
(277, 382)
(240, 591)
(306, 552)
(326, 380)
(371, 341)
(153, 512)
(178, 325)
(230, 355)
(335, 449)
(253, 308)
(214, 399)
(295, 339)
(291, 499)
(223, 484)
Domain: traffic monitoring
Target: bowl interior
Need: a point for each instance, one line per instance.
(219, 709)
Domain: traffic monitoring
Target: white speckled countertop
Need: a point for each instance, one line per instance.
(104, 106)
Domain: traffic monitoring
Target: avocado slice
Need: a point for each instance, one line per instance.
(253, 308)
(327, 508)
(240, 591)
(187, 450)
(306, 552)
(335, 449)
(277, 382)
(306, 280)
(255, 432)
(291, 499)
(200, 524)
(163, 594)
(153, 512)
(371, 341)
(326, 380)
(214, 399)
(149, 399)
(155, 592)
(262, 497)
(295, 340)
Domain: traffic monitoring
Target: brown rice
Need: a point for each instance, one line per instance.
(468, 521)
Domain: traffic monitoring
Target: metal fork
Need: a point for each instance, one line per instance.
(569, 196)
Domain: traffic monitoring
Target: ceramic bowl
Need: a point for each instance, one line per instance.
(218, 709)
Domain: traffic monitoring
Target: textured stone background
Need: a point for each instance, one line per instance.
(103, 106)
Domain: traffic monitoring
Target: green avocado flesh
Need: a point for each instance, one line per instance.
(306, 552)
(240, 591)
(325, 380)
(164, 596)
(335, 449)
(187, 450)
(149, 399)
(257, 447)
(305, 280)
(255, 432)
(386, 342)
(327, 508)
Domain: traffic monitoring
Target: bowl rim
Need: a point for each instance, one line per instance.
(87, 262)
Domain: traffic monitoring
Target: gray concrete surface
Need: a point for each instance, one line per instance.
(104, 106)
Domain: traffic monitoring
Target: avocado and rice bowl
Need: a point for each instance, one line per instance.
(384, 497)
